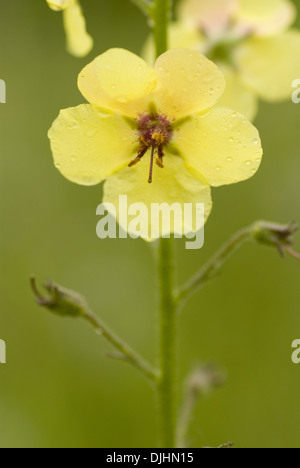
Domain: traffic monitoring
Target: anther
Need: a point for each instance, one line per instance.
(160, 163)
(143, 141)
(135, 161)
(159, 160)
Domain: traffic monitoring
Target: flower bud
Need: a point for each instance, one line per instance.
(58, 5)
(60, 301)
(79, 42)
(205, 379)
(276, 235)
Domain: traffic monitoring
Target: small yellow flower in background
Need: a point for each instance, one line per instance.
(79, 42)
(249, 40)
(167, 115)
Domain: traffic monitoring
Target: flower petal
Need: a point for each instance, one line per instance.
(265, 16)
(268, 66)
(117, 80)
(188, 82)
(79, 42)
(180, 36)
(173, 184)
(212, 16)
(237, 96)
(88, 147)
(221, 145)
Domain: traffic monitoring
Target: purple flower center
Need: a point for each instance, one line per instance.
(154, 132)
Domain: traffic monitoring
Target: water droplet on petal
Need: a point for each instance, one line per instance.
(122, 99)
(91, 132)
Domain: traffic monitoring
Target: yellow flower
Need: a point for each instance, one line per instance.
(139, 115)
(79, 42)
(250, 42)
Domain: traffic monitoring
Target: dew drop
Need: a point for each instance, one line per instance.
(122, 99)
(248, 163)
(103, 115)
(90, 133)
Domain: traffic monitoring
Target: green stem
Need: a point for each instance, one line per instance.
(168, 313)
(67, 303)
(167, 356)
(266, 233)
(161, 16)
(127, 354)
(185, 417)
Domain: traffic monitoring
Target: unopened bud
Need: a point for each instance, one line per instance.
(58, 5)
(59, 300)
(276, 235)
(205, 379)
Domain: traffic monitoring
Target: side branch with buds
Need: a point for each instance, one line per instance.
(66, 303)
(270, 234)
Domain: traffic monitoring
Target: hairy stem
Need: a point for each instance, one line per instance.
(161, 16)
(168, 313)
(127, 354)
(67, 303)
(278, 236)
(167, 352)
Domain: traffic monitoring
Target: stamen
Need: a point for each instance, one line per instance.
(143, 141)
(151, 165)
(142, 153)
(159, 160)
(154, 133)
(160, 163)
(134, 162)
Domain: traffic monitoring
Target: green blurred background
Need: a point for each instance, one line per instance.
(58, 388)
